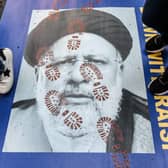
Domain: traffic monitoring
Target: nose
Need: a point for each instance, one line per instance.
(75, 74)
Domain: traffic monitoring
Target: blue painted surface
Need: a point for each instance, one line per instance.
(13, 31)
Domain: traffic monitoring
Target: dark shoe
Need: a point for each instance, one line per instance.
(155, 44)
(159, 86)
(6, 70)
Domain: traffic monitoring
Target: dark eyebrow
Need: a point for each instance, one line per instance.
(95, 57)
(63, 60)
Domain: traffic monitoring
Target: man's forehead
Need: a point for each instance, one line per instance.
(85, 45)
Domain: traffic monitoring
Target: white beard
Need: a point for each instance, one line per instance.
(87, 114)
(59, 133)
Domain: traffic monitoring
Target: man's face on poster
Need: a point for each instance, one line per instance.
(79, 81)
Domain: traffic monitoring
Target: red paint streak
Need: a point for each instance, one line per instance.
(76, 25)
(39, 53)
(123, 161)
(61, 3)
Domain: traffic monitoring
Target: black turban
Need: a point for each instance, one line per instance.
(67, 22)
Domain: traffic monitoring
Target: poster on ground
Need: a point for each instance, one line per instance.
(80, 94)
